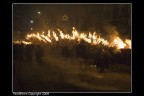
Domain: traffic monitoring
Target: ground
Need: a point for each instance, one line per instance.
(58, 74)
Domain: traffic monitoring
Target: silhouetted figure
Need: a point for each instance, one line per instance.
(117, 55)
(81, 50)
(96, 56)
(18, 52)
(29, 53)
(106, 56)
(126, 56)
(18, 57)
(100, 58)
(71, 49)
(65, 51)
(39, 53)
(15, 52)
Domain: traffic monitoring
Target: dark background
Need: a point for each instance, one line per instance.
(7, 37)
(85, 17)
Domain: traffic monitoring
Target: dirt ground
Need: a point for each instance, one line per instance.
(58, 74)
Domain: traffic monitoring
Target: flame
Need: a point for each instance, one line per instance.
(61, 34)
(40, 37)
(91, 38)
(22, 42)
(49, 34)
(128, 42)
(117, 42)
(46, 38)
(55, 36)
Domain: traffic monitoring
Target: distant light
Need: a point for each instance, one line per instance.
(31, 28)
(39, 12)
(31, 21)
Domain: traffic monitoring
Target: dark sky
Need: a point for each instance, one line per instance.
(82, 16)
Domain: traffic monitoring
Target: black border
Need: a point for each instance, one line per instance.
(7, 41)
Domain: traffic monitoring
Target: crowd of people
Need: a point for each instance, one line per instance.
(26, 54)
(101, 55)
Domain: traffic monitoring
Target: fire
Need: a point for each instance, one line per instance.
(118, 43)
(46, 38)
(22, 42)
(55, 36)
(128, 42)
(61, 34)
(49, 34)
(75, 33)
(40, 37)
(91, 38)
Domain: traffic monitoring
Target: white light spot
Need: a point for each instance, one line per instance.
(31, 28)
(31, 21)
(39, 12)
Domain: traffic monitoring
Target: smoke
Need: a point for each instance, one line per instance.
(59, 73)
(112, 31)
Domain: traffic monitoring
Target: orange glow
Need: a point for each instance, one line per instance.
(118, 43)
(22, 42)
(128, 42)
(91, 38)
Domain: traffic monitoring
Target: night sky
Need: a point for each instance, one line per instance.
(85, 17)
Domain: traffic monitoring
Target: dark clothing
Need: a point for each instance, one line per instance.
(81, 50)
(29, 53)
(65, 51)
(101, 57)
(18, 52)
(39, 53)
